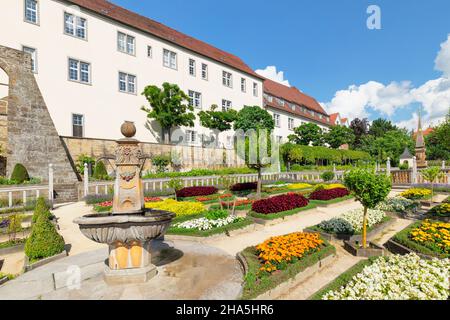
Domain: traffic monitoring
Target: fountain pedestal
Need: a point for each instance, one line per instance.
(130, 228)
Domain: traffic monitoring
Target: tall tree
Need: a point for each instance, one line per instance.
(257, 125)
(218, 121)
(380, 126)
(306, 134)
(360, 129)
(338, 136)
(438, 141)
(169, 107)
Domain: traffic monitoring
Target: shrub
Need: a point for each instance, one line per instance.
(20, 174)
(416, 193)
(337, 226)
(44, 240)
(244, 186)
(41, 209)
(404, 166)
(398, 204)
(330, 194)
(180, 208)
(327, 176)
(14, 226)
(216, 214)
(161, 162)
(196, 191)
(296, 167)
(100, 172)
(280, 203)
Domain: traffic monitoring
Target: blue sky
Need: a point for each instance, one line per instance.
(324, 46)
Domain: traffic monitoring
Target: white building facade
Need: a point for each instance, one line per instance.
(92, 60)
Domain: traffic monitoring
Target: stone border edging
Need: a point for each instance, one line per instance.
(3, 280)
(218, 236)
(12, 249)
(28, 267)
(334, 204)
(288, 285)
(397, 248)
(271, 222)
(344, 237)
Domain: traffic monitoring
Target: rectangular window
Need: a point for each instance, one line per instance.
(195, 99)
(276, 118)
(243, 85)
(169, 59)
(149, 52)
(191, 136)
(280, 102)
(227, 79)
(192, 67)
(255, 89)
(33, 54)
(270, 98)
(75, 26)
(291, 124)
(31, 11)
(79, 71)
(204, 71)
(292, 107)
(226, 105)
(127, 83)
(125, 43)
(77, 125)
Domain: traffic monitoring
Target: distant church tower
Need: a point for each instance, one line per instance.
(420, 146)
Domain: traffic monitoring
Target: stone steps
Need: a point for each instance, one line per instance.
(66, 193)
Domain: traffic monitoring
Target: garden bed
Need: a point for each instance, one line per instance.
(401, 243)
(9, 247)
(330, 203)
(272, 285)
(356, 249)
(274, 218)
(31, 265)
(371, 231)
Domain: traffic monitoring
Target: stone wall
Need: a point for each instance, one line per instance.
(191, 157)
(32, 138)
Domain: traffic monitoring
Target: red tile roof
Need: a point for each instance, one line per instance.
(333, 118)
(295, 96)
(425, 132)
(112, 11)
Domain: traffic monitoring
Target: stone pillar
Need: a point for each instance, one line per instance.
(443, 165)
(388, 166)
(86, 180)
(414, 171)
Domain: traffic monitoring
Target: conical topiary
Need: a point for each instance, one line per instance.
(100, 171)
(44, 240)
(41, 209)
(20, 173)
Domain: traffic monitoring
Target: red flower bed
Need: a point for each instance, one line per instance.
(214, 197)
(284, 202)
(244, 186)
(238, 203)
(105, 204)
(152, 199)
(330, 194)
(196, 191)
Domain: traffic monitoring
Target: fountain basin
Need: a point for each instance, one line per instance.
(150, 224)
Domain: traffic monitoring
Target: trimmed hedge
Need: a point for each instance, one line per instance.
(20, 174)
(284, 202)
(329, 194)
(41, 209)
(44, 240)
(196, 191)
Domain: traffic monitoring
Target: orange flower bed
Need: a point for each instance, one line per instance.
(276, 252)
(214, 197)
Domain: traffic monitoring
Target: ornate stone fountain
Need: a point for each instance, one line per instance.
(130, 227)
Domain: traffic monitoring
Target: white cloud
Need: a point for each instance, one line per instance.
(433, 96)
(442, 62)
(270, 72)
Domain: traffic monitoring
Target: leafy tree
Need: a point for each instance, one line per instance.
(432, 174)
(161, 162)
(438, 142)
(218, 121)
(100, 172)
(260, 122)
(169, 107)
(175, 184)
(306, 134)
(369, 189)
(82, 159)
(360, 129)
(339, 135)
(380, 126)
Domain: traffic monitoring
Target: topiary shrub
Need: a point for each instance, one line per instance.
(20, 173)
(44, 240)
(41, 209)
(100, 172)
(327, 176)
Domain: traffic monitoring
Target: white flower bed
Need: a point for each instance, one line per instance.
(397, 204)
(398, 278)
(205, 224)
(355, 218)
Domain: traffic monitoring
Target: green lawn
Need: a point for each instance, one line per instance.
(337, 200)
(273, 216)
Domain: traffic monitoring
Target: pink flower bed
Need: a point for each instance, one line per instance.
(330, 194)
(196, 191)
(280, 203)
